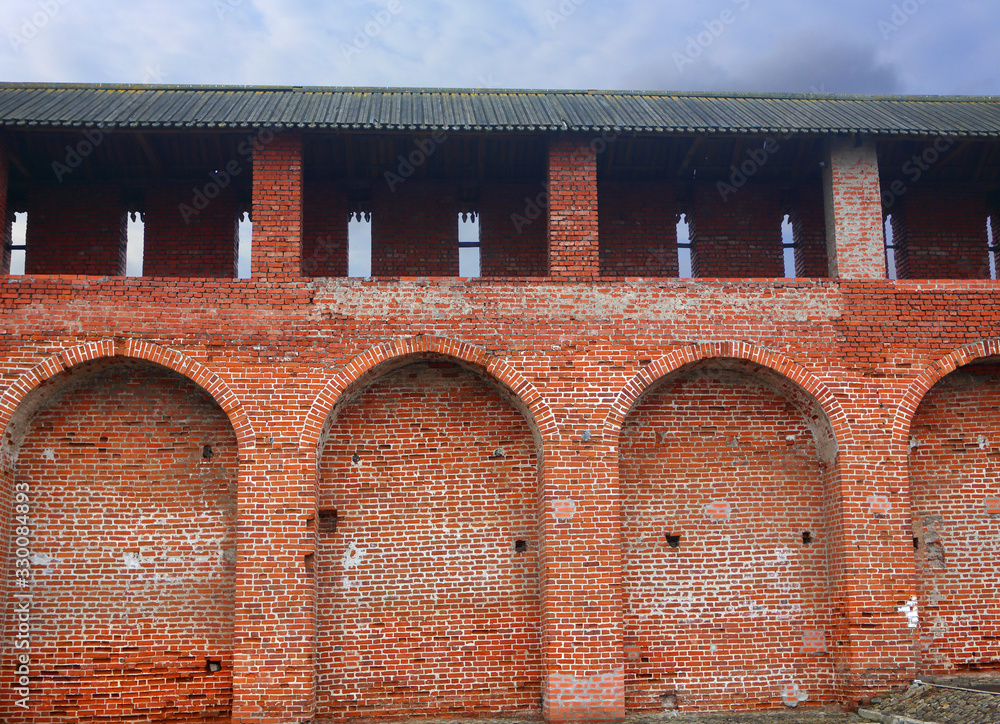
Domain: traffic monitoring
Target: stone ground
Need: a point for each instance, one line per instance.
(770, 717)
(935, 705)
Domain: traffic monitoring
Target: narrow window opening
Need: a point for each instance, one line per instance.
(135, 235)
(213, 666)
(683, 248)
(244, 246)
(916, 543)
(359, 245)
(207, 453)
(807, 537)
(520, 546)
(674, 541)
(890, 248)
(788, 246)
(993, 252)
(468, 244)
(19, 231)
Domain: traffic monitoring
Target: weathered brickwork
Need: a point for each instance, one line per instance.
(181, 240)
(92, 243)
(956, 520)
(638, 229)
(739, 235)
(130, 476)
(941, 234)
(725, 553)
(428, 553)
(738, 414)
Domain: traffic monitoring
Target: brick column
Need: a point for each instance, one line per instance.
(854, 236)
(5, 217)
(582, 581)
(277, 207)
(573, 243)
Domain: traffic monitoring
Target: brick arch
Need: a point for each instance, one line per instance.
(463, 352)
(652, 373)
(940, 369)
(180, 363)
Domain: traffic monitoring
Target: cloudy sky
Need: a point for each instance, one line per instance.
(849, 46)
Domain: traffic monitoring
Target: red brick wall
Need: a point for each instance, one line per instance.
(573, 215)
(955, 479)
(75, 230)
(181, 243)
(512, 229)
(276, 252)
(945, 234)
(740, 609)
(133, 551)
(6, 215)
(415, 229)
(808, 219)
(425, 604)
(739, 236)
(326, 215)
(638, 229)
(853, 201)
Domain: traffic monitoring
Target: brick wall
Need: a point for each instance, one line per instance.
(75, 230)
(573, 215)
(180, 240)
(853, 202)
(638, 229)
(806, 213)
(943, 234)
(735, 609)
(512, 229)
(955, 482)
(739, 235)
(6, 214)
(276, 252)
(133, 549)
(415, 229)
(426, 603)
(326, 215)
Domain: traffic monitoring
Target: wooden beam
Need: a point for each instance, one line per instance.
(689, 156)
(151, 156)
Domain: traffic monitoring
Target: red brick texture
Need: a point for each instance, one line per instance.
(6, 214)
(806, 213)
(427, 602)
(277, 206)
(638, 229)
(853, 202)
(941, 234)
(415, 229)
(130, 476)
(736, 236)
(177, 242)
(94, 243)
(326, 215)
(738, 413)
(956, 520)
(572, 213)
(512, 228)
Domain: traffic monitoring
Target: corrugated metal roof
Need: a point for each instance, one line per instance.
(200, 107)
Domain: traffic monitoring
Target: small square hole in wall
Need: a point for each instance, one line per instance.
(328, 520)
(213, 666)
(807, 537)
(674, 541)
(916, 543)
(520, 546)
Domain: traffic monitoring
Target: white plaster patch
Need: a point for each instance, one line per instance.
(983, 442)
(793, 695)
(910, 611)
(49, 454)
(352, 557)
(914, 443)
(132, 560)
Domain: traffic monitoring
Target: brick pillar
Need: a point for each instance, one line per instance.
(274, 633)
(854, 235)
(582, 581)
(5, 217)
(277, 207)
(574, 253)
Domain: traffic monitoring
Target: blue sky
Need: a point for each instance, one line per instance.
(869, 46)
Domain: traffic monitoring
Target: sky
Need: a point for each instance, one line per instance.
(837, 46)
(820, 46)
